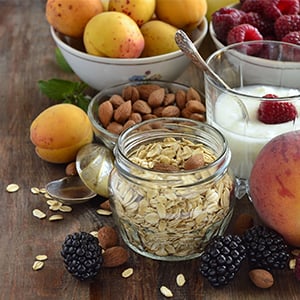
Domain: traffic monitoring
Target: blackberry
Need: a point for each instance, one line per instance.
(266, 249)
(222, 259)
(82, 255)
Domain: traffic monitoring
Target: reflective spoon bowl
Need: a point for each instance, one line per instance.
(69, 190)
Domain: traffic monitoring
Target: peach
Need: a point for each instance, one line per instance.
(59, 132)
(183, 14)
(274, 185)
(71, 16)
(113, 34)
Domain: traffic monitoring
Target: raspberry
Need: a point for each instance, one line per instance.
(244, 33)
(252, 6)
(275, 112)
(264, 26)
(286, 24)
(273, 9)
(292, 37)
(225, 19)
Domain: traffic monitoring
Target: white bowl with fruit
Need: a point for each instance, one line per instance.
(115, 47)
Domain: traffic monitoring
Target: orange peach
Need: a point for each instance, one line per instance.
(275, 185)
(59, 132)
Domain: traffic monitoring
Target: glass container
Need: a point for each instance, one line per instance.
(171, 191)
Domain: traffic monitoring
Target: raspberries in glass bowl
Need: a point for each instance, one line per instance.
(257, 20)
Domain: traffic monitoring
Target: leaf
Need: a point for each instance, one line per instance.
(62, 62)
(58, 89)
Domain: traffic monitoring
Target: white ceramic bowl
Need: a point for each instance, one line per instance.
(100, 72)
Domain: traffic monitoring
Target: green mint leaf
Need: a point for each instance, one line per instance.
(58, 89)
(62, 63)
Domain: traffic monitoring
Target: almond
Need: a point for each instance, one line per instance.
(105, 113)
(71, 169)
(116, 100)
(261, 278)
(169, 99)
(195, 106)
(170, 111)
(141, 107)
(180, 98)
(115, 256)
(192, 94)
(114, 127)
(149, 117)
(197, 117)
(157, 111)
(156, 98)
(194, 162)
(123, 112)
(105, 205)
(146, 89)
(130, 93)
(186, 113)
(128, 124)
(107, 237)
(136, 117)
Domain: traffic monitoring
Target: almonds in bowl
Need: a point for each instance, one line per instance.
(116, 108)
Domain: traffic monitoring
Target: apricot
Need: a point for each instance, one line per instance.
(71, 16)
(59, 132)
(159, 38)
(113, 34)
(140, 11)
(275, 185)
(183, 14)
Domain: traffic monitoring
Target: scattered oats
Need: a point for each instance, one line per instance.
(56, 217)
(38, 213)
(292, 263)
(43, 191)
(166, 292)
(180, 280)
(47, 196)
(13, 187)
(94, 233)
(127, 272)
(41, 257)
(37, 265)
(51, 202)
(55, 206)
(103, 212)
(35, 190)
(65, 208)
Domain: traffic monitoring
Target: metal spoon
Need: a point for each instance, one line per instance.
(189, 49)
(69, 190)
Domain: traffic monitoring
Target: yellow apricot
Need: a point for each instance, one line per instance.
(70, 16)
(60, 131)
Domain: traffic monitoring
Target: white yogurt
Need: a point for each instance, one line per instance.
(246, 139)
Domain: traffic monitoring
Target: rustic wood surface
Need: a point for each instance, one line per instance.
(27, 55)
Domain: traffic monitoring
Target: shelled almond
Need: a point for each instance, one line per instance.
(147, 101)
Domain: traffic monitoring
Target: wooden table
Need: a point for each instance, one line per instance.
(27, 55)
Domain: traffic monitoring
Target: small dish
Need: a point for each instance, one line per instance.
(69, 190)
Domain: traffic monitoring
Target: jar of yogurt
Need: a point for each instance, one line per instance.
(272, 68)
(171, 189)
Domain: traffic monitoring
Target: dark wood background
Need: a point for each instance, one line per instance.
(27, 55)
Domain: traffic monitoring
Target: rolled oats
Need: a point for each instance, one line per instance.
(172, 221)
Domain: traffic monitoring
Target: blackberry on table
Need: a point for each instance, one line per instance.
(266, 249)
(222, 259)
(82, 255)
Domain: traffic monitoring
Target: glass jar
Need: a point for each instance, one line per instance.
(166, 203)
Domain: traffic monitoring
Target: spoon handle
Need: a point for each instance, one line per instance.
(189, 49)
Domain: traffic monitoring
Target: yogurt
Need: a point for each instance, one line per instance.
(246, 138)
